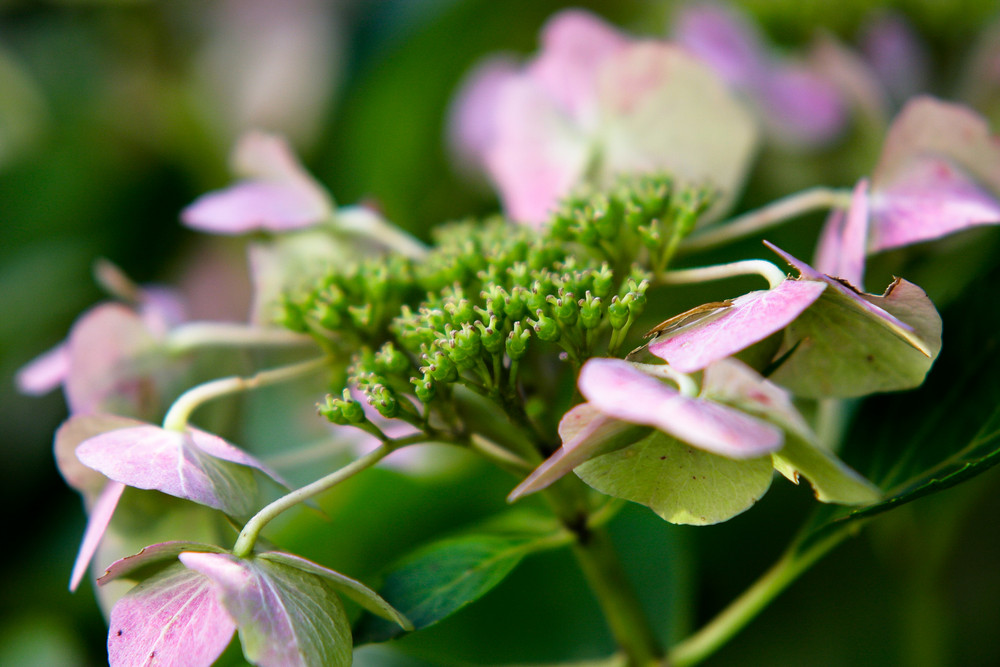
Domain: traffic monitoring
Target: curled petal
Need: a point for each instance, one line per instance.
(97, 524)
(844, 239)
(618, 389)
(45, 372)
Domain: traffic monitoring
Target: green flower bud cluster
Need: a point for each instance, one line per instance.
(468, 312)
(641, 219)
(356, 303)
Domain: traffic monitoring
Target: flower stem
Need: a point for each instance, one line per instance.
(622, 610)
(745, 608)
(186, 337)
(769, 271)
(248, 536)
(769, 216)
(179, 413)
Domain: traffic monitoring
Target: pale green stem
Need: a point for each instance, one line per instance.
(747, 606)
(248, 536)
(206, 334)
(501, 456)
(179, 413)
(769, 216)
(387, 234)
(685, 384)
(769, 271)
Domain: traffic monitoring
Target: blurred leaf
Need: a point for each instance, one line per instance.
(438, 579)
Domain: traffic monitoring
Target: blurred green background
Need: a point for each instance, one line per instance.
(115, 115)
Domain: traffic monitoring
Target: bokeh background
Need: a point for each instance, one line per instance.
(115, 115)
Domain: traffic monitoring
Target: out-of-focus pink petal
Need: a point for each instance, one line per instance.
(472, 124)
(584, 432)
(800, 107)
(857, 83)
(927, 127)
(575, 44)
(162, 308)
(45, 372)
(724, 39)
(616, 388)
(844, 240)
(267, 157)
(174, 619)
(929, 199)
(896, 54)
(666, 110)
(751, 318)
(255, 205)
(69, 435)
(538, 155)
(101, 345)
(97, 523)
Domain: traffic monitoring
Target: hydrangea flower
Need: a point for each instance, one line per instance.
(939, 173)
(592, 104)
(795, 102)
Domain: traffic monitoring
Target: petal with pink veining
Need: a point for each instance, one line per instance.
(174, 619)
(750, 319)
(619, 390)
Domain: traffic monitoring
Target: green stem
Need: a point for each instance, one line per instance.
(179, 413)
(248, 536)
(745, 608)
(622, 610)
(193, 335)
(771, 215)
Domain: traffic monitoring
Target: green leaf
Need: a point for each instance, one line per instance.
(680, 483)
(439, 579)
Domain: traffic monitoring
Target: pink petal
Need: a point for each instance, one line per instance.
(45, 372)
(155, 553)
(799, 106)
(149, 457)
(101, 346)
(724, 39)
(68, 437)
(896, 53)
(97, 524)
(256, 205)
(750, 319)
(930, 128)
(538, 155)
(811, 274)
(844, 240)
(584, 431)
(267, 157)
(928, 199)
(619, 390)
(856, 82)
(473, 121)
(171, 619)
(574, 45)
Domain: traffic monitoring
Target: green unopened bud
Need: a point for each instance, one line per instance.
(535, 299)
(467, 341)
(391, 361)
(638, 301)
(343, 410)
(590, 311)
(618, 311)
(292, 316)
(603, 281)
(565, 309)
(383, 400)
(441, 367)
(517, 342)
(460, 312)
(361, 316)
(545, 327)
(490, 336)
(515, 305)
(424, 388)
(495, 297)
(609, 219)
